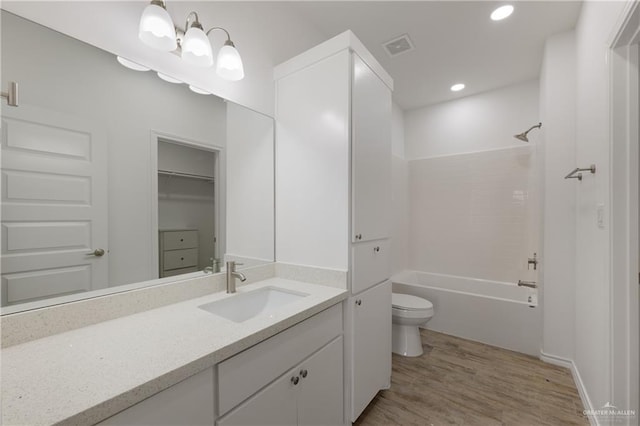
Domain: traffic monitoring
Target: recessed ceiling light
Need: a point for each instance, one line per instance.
(457, 87)
(198, 90)
(169, 79)
(502, 12)
(131, 65)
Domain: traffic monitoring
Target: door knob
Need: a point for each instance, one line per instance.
(97, 252)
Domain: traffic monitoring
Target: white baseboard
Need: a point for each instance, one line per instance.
(582, 391)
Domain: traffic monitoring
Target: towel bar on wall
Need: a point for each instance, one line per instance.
(578, 176)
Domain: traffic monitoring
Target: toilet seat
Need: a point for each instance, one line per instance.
(408, 306)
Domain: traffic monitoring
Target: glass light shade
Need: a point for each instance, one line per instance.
(457, 87)
(131, 65)
(229, 64)
(198, 90)
(168, 78)
(196, 48)
(156, 28)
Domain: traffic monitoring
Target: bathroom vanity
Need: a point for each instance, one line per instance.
(182, 364)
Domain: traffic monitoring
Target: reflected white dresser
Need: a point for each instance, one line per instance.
(178, 251)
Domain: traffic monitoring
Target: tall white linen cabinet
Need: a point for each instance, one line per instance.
(333, 193)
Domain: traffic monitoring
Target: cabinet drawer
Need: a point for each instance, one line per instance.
(242, 375)
(371, 264)
(174, 240)
(175, 259)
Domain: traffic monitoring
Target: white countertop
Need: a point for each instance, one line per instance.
(86, 375)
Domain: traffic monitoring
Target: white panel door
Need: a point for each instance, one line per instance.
(54, 205)
(371, 154)
(371, 354)
(320, 397)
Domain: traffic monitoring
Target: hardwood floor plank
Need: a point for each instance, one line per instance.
(461, 382)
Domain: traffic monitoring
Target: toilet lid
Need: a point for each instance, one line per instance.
(408, 302)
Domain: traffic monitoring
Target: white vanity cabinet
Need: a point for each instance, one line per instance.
(308, 394)
(293, 378)
(188, 403)
(333, 192)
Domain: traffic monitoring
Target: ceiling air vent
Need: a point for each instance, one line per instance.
(398, 45)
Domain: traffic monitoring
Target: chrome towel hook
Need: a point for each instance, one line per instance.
(573, 175)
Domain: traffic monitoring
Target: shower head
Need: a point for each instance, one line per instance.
(523, 136)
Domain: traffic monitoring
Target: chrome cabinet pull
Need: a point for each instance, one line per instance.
(97, 252)
(358, 236)
(358, 302)
(295, 380)
(304, 373)
(376, 249)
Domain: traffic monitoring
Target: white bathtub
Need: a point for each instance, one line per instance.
(497, 313)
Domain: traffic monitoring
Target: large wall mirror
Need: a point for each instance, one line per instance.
(112, 176)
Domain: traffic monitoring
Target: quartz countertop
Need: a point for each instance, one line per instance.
(86, 375)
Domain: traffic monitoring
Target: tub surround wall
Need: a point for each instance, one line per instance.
(471, 214)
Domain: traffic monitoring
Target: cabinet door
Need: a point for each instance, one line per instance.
(371, 154)
(371, 354)
(273, 406)
(189, 402)
(320, 394)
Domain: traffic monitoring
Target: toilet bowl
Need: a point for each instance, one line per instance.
(407, 314)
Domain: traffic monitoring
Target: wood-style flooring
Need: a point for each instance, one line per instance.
(460, 382)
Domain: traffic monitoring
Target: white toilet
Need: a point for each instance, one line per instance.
(407, 314)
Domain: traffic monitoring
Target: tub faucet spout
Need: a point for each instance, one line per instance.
(530, 284)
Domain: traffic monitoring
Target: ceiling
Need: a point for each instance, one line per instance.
(455, 41)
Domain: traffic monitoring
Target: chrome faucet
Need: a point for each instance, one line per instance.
(232, 275)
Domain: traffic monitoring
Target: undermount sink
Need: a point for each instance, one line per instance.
(243, 306)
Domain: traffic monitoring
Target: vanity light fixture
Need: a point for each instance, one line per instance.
(192, 43)
(457, 87)
(502, 12)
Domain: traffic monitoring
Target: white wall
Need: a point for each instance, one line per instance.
(399, 195)
(474, 123)
(557, 149)
(63, 74)
(471, 214)
(264, 33)
(250, 170)
(593, 286)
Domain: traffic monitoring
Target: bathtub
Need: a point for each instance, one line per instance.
(492, 312)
